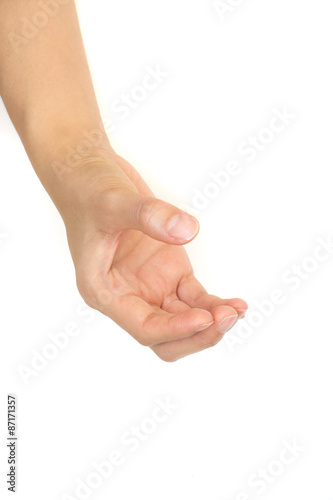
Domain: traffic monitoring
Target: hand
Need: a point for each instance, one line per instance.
(130, 263)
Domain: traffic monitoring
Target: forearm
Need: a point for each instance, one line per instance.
(46, 85)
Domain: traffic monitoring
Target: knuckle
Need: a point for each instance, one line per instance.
(144, 340)
(147, 208)
(210, 340)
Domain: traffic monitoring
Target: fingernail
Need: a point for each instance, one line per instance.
(242, 313)
(227, 323)
(203, 327)
(182, 227)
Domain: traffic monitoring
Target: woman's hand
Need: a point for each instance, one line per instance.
(125, 244)
(130, 264)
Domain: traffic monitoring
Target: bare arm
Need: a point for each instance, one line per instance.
(126, 244)
(45, 81)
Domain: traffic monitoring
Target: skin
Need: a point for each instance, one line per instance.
(129, 264)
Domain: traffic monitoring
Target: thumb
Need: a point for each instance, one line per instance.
(156, 218)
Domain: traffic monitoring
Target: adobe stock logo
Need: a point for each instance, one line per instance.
(3, 237)
(225, 7)
(31, 27)
(54, 344)
(292, 279)
(130, 441)
(265, 476)
(128, 101)
(248, 151)
(76, 155)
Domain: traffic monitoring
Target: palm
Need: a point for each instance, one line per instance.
(150, 290)
(145, 267)
(147, 286)
(148, 268)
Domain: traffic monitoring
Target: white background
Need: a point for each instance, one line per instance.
(237, 403)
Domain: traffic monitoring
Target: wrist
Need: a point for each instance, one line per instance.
(77, 178)
(58, 156)
(66, 143)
